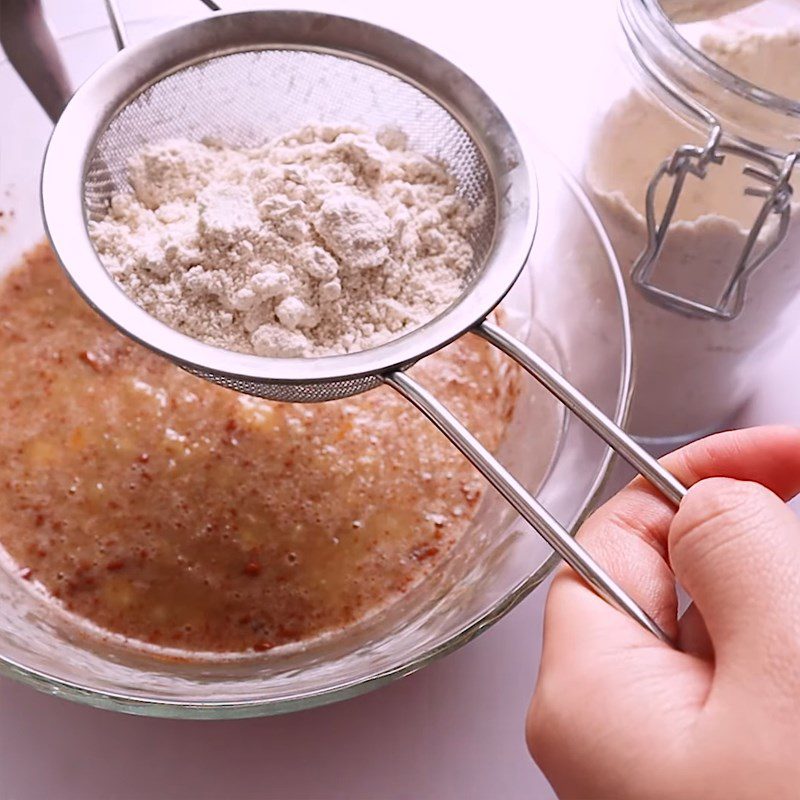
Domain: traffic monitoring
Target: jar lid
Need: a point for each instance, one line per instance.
(752, 46)
(731, 62)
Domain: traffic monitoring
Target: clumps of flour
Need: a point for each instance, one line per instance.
(327, 240)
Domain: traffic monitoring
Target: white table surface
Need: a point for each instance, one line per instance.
(454, 730)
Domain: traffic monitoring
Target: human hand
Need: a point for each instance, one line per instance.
(616, 713)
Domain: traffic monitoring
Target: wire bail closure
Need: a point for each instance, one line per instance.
(772, 185)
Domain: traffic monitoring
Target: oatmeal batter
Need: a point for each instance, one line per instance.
(183, 515)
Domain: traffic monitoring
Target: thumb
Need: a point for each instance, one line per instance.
(735, 547)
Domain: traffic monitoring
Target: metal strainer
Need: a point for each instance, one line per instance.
(248, 77)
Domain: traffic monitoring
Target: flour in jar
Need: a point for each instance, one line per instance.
(693, 374)
(327, 240)
(680, 11)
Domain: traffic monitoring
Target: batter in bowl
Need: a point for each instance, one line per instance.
(182, 515)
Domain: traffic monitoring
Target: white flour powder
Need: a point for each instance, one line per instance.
(327, 240)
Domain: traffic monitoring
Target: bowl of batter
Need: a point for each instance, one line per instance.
(173, 548)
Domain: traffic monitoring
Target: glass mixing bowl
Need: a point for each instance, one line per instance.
(571, 289)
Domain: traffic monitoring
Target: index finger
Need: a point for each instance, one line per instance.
(628, 536)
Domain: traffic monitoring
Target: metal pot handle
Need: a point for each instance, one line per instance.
(33, 52)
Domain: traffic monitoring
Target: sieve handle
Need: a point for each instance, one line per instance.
(117, 24)
(586, 411)
(525, 504)
(33, 52)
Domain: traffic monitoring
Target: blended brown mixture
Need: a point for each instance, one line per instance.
(184, 515)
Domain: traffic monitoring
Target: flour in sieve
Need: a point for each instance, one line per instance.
(327, 240)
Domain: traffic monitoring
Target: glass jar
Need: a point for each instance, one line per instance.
(691, 170)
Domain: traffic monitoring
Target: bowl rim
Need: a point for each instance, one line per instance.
(127, 703)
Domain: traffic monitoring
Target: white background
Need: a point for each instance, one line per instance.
(454, 730)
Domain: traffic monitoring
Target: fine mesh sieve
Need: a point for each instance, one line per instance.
(248, 77)
(278, 90)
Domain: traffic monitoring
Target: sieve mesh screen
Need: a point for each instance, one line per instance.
(246, 99)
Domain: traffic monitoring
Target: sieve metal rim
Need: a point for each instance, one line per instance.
(110, 88)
